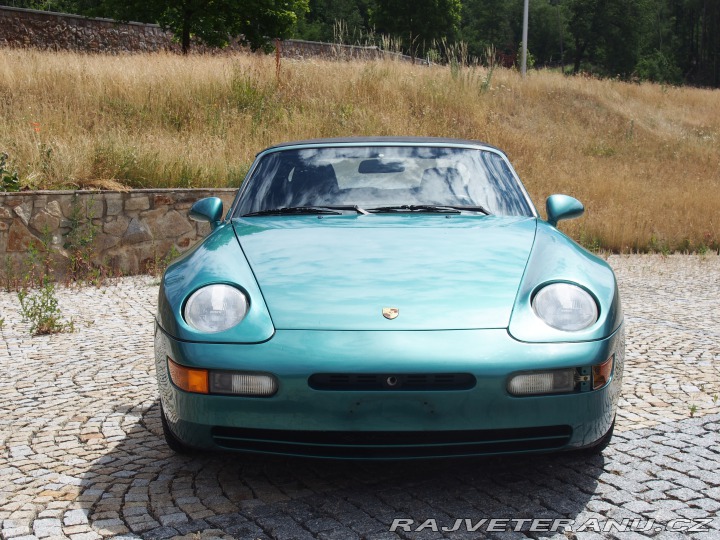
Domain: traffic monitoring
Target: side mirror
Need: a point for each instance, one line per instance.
(562, 207)
(209, 209)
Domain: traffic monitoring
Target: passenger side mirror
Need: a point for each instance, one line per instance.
(562, 207)
(209, 209)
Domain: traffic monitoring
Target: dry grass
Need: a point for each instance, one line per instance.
(645, 159)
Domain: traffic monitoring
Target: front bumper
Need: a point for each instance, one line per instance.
(300, 420)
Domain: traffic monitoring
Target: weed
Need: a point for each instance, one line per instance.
(126, 163)
(156, 267)
(589, 241)
(715, 399)
(79, 241)
(433, 56)
(693, 410)
(2, 322)
(11, 280)
(38, 260)
(40, 309)
(602, 149)
(490, 55)
(657, 245)
(46, 153)
(9, 180)
(630, 132)
(248, 95)
(530, 60)
(454, 68)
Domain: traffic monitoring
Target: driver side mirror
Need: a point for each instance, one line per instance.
(209, 209)
(562, 207)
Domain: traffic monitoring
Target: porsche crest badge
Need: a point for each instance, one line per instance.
(390, 312)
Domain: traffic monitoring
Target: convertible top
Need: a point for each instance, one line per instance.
(359, 141)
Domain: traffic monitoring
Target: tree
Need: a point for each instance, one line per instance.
(322, 21)
(696, 30)
(607, 34)
(418, 23)
(58, 6)
(487, 23)
(213, 22)
(544, 38)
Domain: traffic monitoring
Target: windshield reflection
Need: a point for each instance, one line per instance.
(373, 176)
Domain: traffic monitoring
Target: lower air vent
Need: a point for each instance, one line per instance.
(392, 444)
(390, 381)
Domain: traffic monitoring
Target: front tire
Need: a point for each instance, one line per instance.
(598, 447)
(175, 444)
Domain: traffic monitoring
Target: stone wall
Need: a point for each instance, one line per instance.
(59, 31)
(132, 229)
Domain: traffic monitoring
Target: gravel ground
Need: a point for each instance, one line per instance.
(82, 455)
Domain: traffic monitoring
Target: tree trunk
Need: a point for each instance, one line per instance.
(579, 53)
(185, 39)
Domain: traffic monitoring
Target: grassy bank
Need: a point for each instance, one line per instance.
(645, 159)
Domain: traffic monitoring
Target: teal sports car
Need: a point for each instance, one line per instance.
(387, 298)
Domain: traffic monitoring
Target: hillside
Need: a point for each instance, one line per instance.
(645, 159)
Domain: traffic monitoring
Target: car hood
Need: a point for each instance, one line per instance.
(339, 272)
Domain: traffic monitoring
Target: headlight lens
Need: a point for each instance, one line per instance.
(565, 307)
(215, 308)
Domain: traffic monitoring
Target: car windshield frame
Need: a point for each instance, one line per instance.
(372, 165)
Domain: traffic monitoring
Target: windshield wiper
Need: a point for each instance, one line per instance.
(324, 209)
(471, 208)
(346, 207)
(293, 210)
(440, 209)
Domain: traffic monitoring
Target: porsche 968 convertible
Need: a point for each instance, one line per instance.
(387, 298)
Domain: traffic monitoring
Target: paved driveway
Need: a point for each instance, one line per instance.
(82, 456)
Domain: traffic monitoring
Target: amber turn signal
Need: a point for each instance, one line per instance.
(188, 379)
(602, 372)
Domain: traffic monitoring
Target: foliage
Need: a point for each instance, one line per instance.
(325, 16)
(419, 23)
(657, 67)
(158, 265)
(79, 240)
(58, 6)
(9, 274)
(40, 309)
(605, 34)
(487, 23)
(688, 31)
(213, 22)
(658, 245)
(9, 180)
(530, 60)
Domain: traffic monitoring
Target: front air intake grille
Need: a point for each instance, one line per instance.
(390, 381)
(392, 444)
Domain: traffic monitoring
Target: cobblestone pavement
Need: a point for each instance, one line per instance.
(82, 455)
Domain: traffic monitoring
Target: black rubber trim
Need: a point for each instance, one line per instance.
(393, 444)
(391, 381)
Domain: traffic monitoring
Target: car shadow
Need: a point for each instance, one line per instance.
(139, 487)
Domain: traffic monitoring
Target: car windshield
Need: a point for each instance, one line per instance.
(383, 179)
